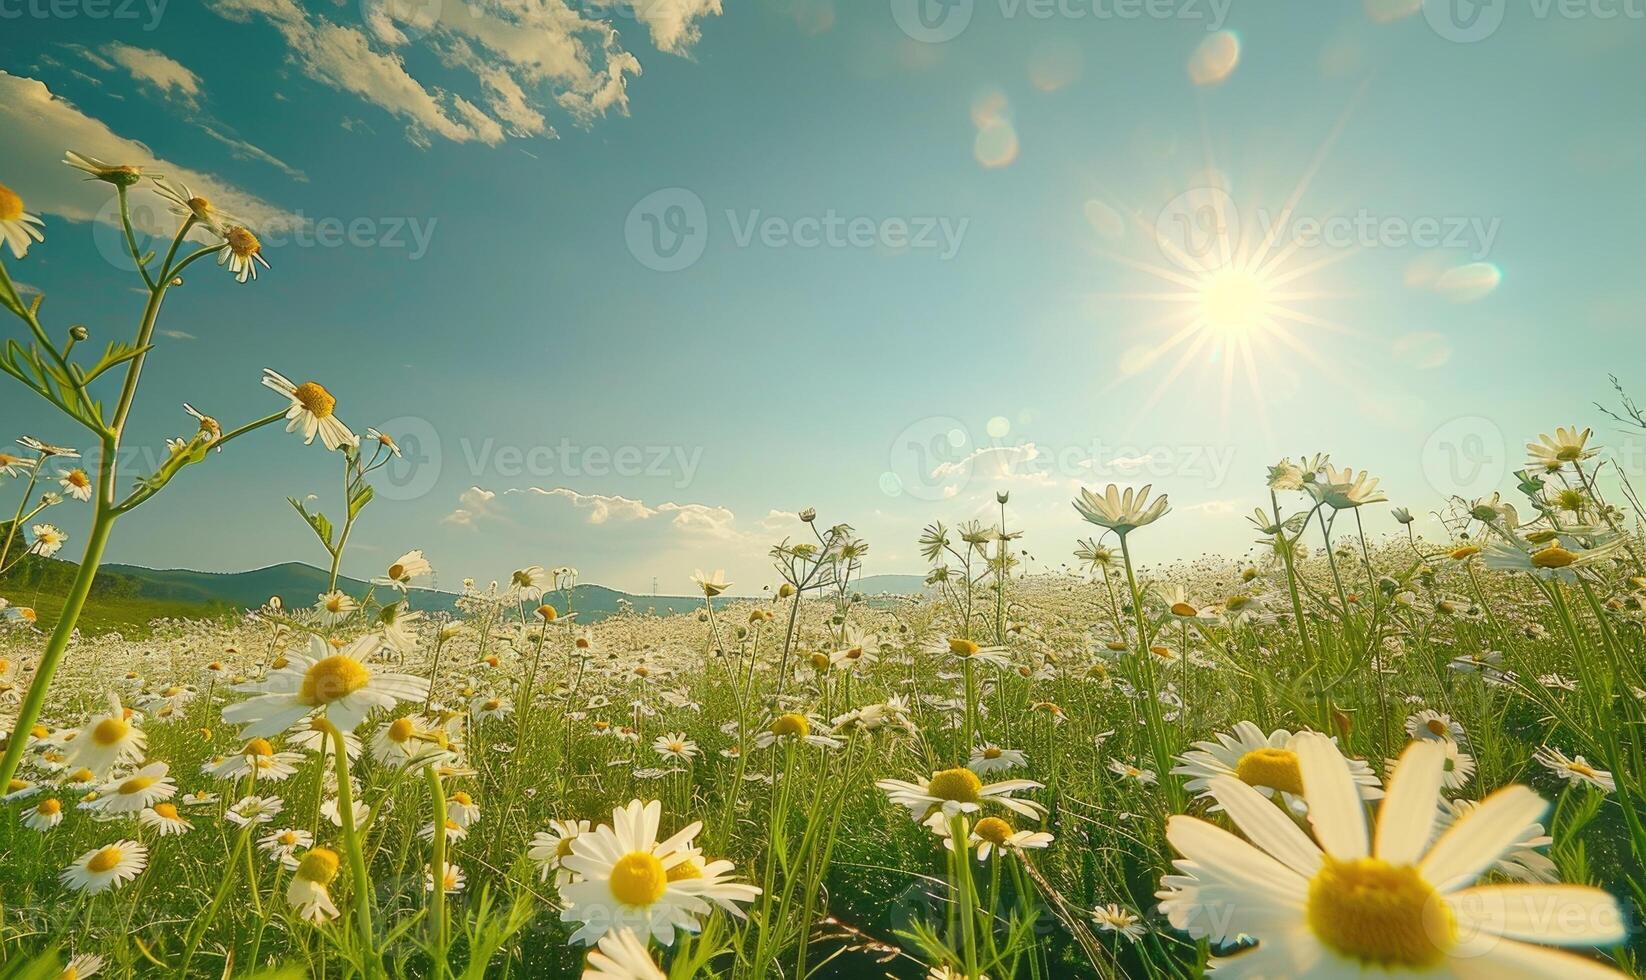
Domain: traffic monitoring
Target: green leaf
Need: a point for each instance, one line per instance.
(317, 521)
(361, 498)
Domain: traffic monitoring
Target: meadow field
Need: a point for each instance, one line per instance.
(1334, 755)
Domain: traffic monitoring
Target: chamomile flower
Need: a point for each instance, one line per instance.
(164, 820)
(452, 879)
(1121, 513)
(992, 758)
(404, 570)
(1567, 445)
(711, 585)
(252, 810)
(257, 757)
(311, 410)
(81, 966)
(796, 727)
(77, 484)
(955, 791)
(48, 539)
(18, 228)
(241, 253)
(334, 684)
(282, 845)
(1575, 770)
(335, 607)
(44, 815)
(121, 175)
(964, 650)
(309, 890)
(1126, 770)
(1267, 763)
(1344, 489)
(106, 741)
(1435, 726)
(461, 809)
(486, 708)
(1120, 921)
(1350, 903)
(547, 849)
(136, 791)
(106, 867)
(622, 879)
(399, 741)
(621, 955)
(676, 747)
(993, 835)
(187, 204)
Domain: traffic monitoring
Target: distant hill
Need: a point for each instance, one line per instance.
(126, 597)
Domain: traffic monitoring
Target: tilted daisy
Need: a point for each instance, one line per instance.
(81, 966)
(399, 741)
(335, 607)
(969, 651)
(334, 684)
(308, 892)
(136, 791)
(311, 411)
(623, 881)
(119, 174)
(43, 816)
(993, 835)
(403, 570)
(992, 758)
(1434, 725)
(452, 879)
(461, 808)
(164, 819)
(77, 483)
(1123, 922)
(622, 955)
(1267, 763)
(796, 727)
(1576, 771)
(547, 849)
(256, 757)
(106, 867)
(1121, 513)
(251, 810)
(107, 740)
(675, 746)
(1398, 901)
(48, 539)
(1567, 445)
(18, 228)
(955, 791)
(241, 253)
(187, 204)
(486, 708)
(282, 845)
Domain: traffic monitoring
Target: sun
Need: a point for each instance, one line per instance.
(1234, 302)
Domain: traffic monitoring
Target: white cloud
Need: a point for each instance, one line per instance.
(37, 126)
(153, 68)
(673, 23)
(473, 505)
(601, 508)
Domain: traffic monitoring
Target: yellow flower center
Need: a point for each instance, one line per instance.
(397, 571)
(199, 205)
(962, 648)
(547, 613)
(1379, 913)
(136, 784)
(81, 776)
(77, 479)
(1183, 609)
(1553, 556)
(1465, 551)
(166, 810)
(49, 807)
(677, 746)
(331, 679)
(111, 731)
(1438, 728)
(564, 848)
(791, 725)
(992, 752)
(686, 870)
(956, 785)
(1271, 768)
(463, 798)
(105, 860)
(243, 243)
(1581, 768)
(491, 705)
(318, 865)
(11, 206)
(258, 746)
(316, 399)
(638, 879)
(993, 829)
(820, 661)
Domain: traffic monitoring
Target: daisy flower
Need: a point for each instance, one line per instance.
(1123, 922)
(711, 585)
(1523, 859)
(106, 741)
(797, 727)
(992, 758)
(17, 227)
(13, 465)
(282, 845)
(530, 580)
(1396, 900)
(1121, 513)
(43, 816)
(622, 955)
(486, 708)
(106, 867)
(623, 880)
(241, 253)
(547, 849)
(403, 570)
(186, 204)
(311, 410)
(399, 741)
(136, 791)
(164, 819)
(335, 607)
(965, 650)
(336, 685)
(1344, 489)
(675, 746)
(955, 791)
(1575, 770)
(81, 966)
(256, 757)
(308, 892)
(48, 539)
(451, 881)
(77, 484)
(1567, 445)
(1433, 725)
(121, 175)
(1144, 777)
(994, 835)
(254, 810)
(462, 810)
(1267, 763)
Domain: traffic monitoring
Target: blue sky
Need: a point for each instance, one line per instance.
(796, 255)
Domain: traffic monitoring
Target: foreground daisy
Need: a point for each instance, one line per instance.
(1399, 901)
(1267, 763)
(626, 878)
(311, 410)
(336, 685)
(308, 892)
(106, 867)
(956, 791)
(622, 956)
(107, 740)
(17, 227)
(1121, 513)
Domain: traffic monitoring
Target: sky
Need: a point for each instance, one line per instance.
(635, 281)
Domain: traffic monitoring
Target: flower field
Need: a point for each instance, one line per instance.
(1334, 756)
